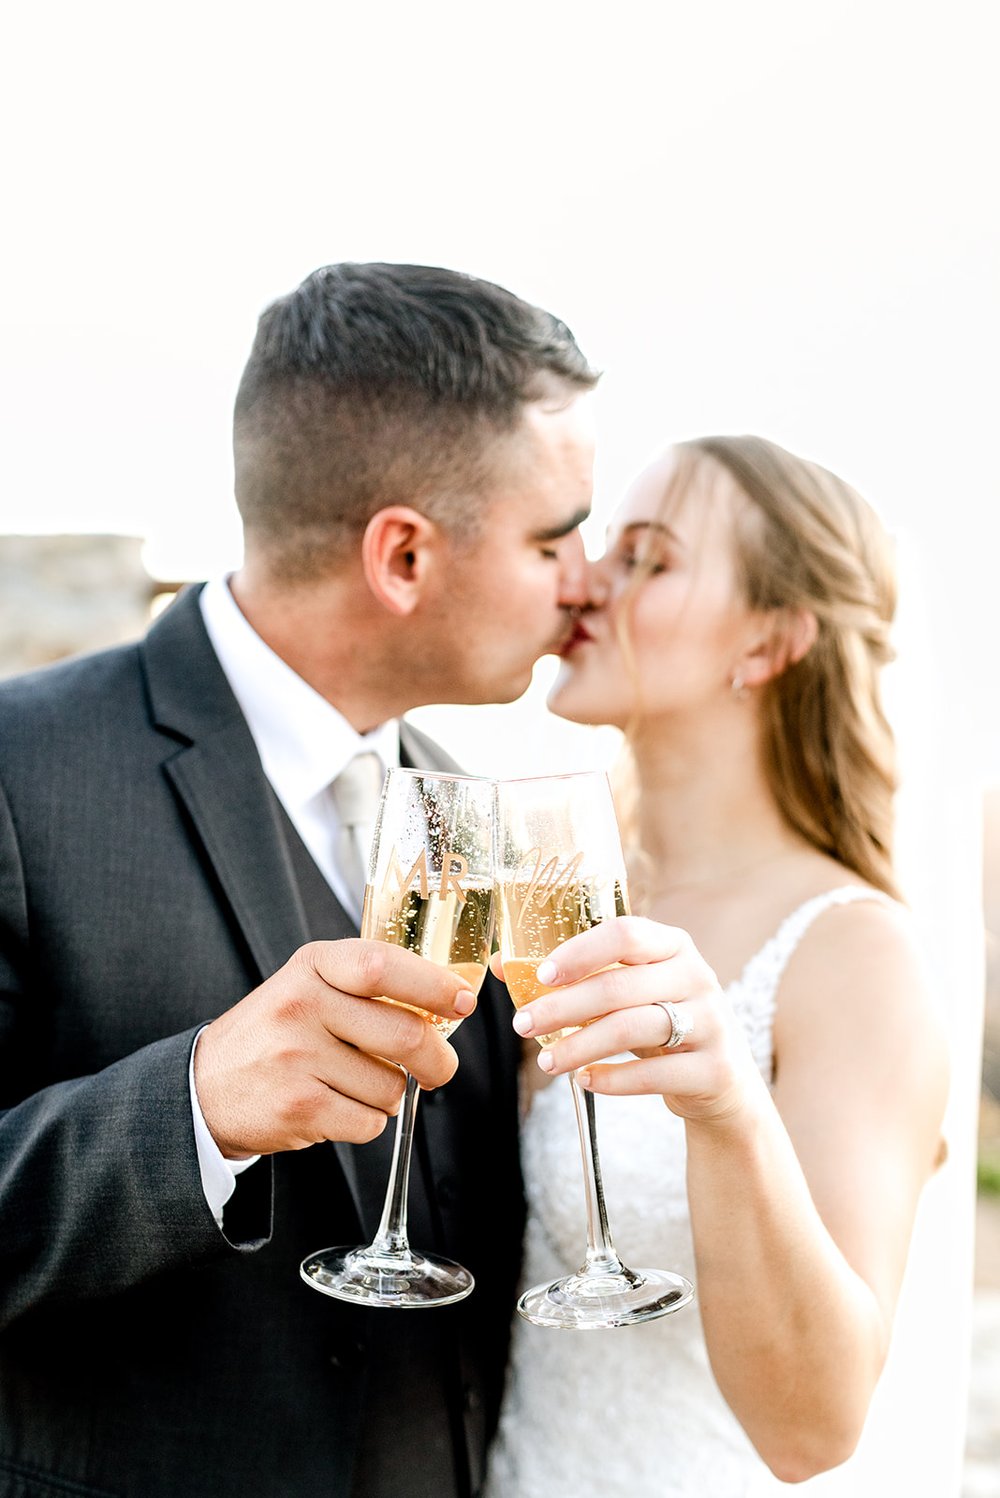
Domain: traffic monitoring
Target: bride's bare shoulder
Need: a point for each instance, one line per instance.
(860, 968)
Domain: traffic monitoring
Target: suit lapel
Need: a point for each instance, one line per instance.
(217, 776)
(418, 752)
(233, 811)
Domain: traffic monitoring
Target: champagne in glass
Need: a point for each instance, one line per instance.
(452, 929)
(560, 870)
(537, 919)
(430, 889)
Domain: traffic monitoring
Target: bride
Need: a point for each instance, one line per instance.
(735, 632)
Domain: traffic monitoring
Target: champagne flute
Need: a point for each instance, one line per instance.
(560, 870)
(430, 889)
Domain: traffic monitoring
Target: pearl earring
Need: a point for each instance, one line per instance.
(739, 686)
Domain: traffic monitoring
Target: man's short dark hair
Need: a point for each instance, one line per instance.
(372, 385)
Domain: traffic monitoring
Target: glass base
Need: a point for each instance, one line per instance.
(373, 1279)
(587, 1302)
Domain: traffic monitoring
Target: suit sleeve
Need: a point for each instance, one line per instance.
(100, 1187)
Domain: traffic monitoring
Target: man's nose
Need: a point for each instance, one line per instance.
(598, 584)
(573, 574)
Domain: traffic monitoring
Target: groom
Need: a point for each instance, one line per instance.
(195, 1082)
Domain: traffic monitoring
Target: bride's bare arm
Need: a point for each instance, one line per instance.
(802, 1198)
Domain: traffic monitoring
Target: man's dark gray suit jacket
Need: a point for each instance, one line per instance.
(148, 880)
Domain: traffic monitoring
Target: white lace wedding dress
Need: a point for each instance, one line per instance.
(632, 1412)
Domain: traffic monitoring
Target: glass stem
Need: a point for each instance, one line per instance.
(601, 1256)
(390, 1242)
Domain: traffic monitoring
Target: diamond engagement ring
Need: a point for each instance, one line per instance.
(681, 1024)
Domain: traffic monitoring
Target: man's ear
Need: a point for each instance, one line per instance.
(395, 554)
(789, 635)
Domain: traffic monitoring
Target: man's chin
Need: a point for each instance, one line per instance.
(496, 693)
(517, 683)
(514, 684)
(511, 691)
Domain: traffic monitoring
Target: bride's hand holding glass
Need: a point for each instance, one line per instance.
(635, 985)
(560, 871)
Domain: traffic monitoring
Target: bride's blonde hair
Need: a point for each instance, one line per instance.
(808, 541)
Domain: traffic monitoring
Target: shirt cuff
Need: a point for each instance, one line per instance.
(218, 1175)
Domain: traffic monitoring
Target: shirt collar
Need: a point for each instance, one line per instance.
(302, 740)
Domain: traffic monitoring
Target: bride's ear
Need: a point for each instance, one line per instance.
(788, 636)
(797, 632)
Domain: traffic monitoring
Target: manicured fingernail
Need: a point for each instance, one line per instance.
(547, 972)
(545, 1061)
(583, 1079)
(465, 1001)
(522, 1023)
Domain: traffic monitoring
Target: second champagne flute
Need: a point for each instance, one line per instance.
(430, 889)
(560, 870)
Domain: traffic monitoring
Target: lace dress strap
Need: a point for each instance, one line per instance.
(754, 993)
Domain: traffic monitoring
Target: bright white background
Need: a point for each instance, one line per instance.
(776, 217)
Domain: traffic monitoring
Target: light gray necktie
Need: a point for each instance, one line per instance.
(356, 792)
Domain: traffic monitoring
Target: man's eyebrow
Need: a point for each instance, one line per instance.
(554, 532)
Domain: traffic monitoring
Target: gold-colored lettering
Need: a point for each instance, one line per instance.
(450, 879)
(394, 871)
(545, 880)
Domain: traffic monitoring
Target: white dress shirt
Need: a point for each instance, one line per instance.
(303, 743)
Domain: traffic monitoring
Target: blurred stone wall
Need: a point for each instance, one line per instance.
(991, 911)
(61, 595)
